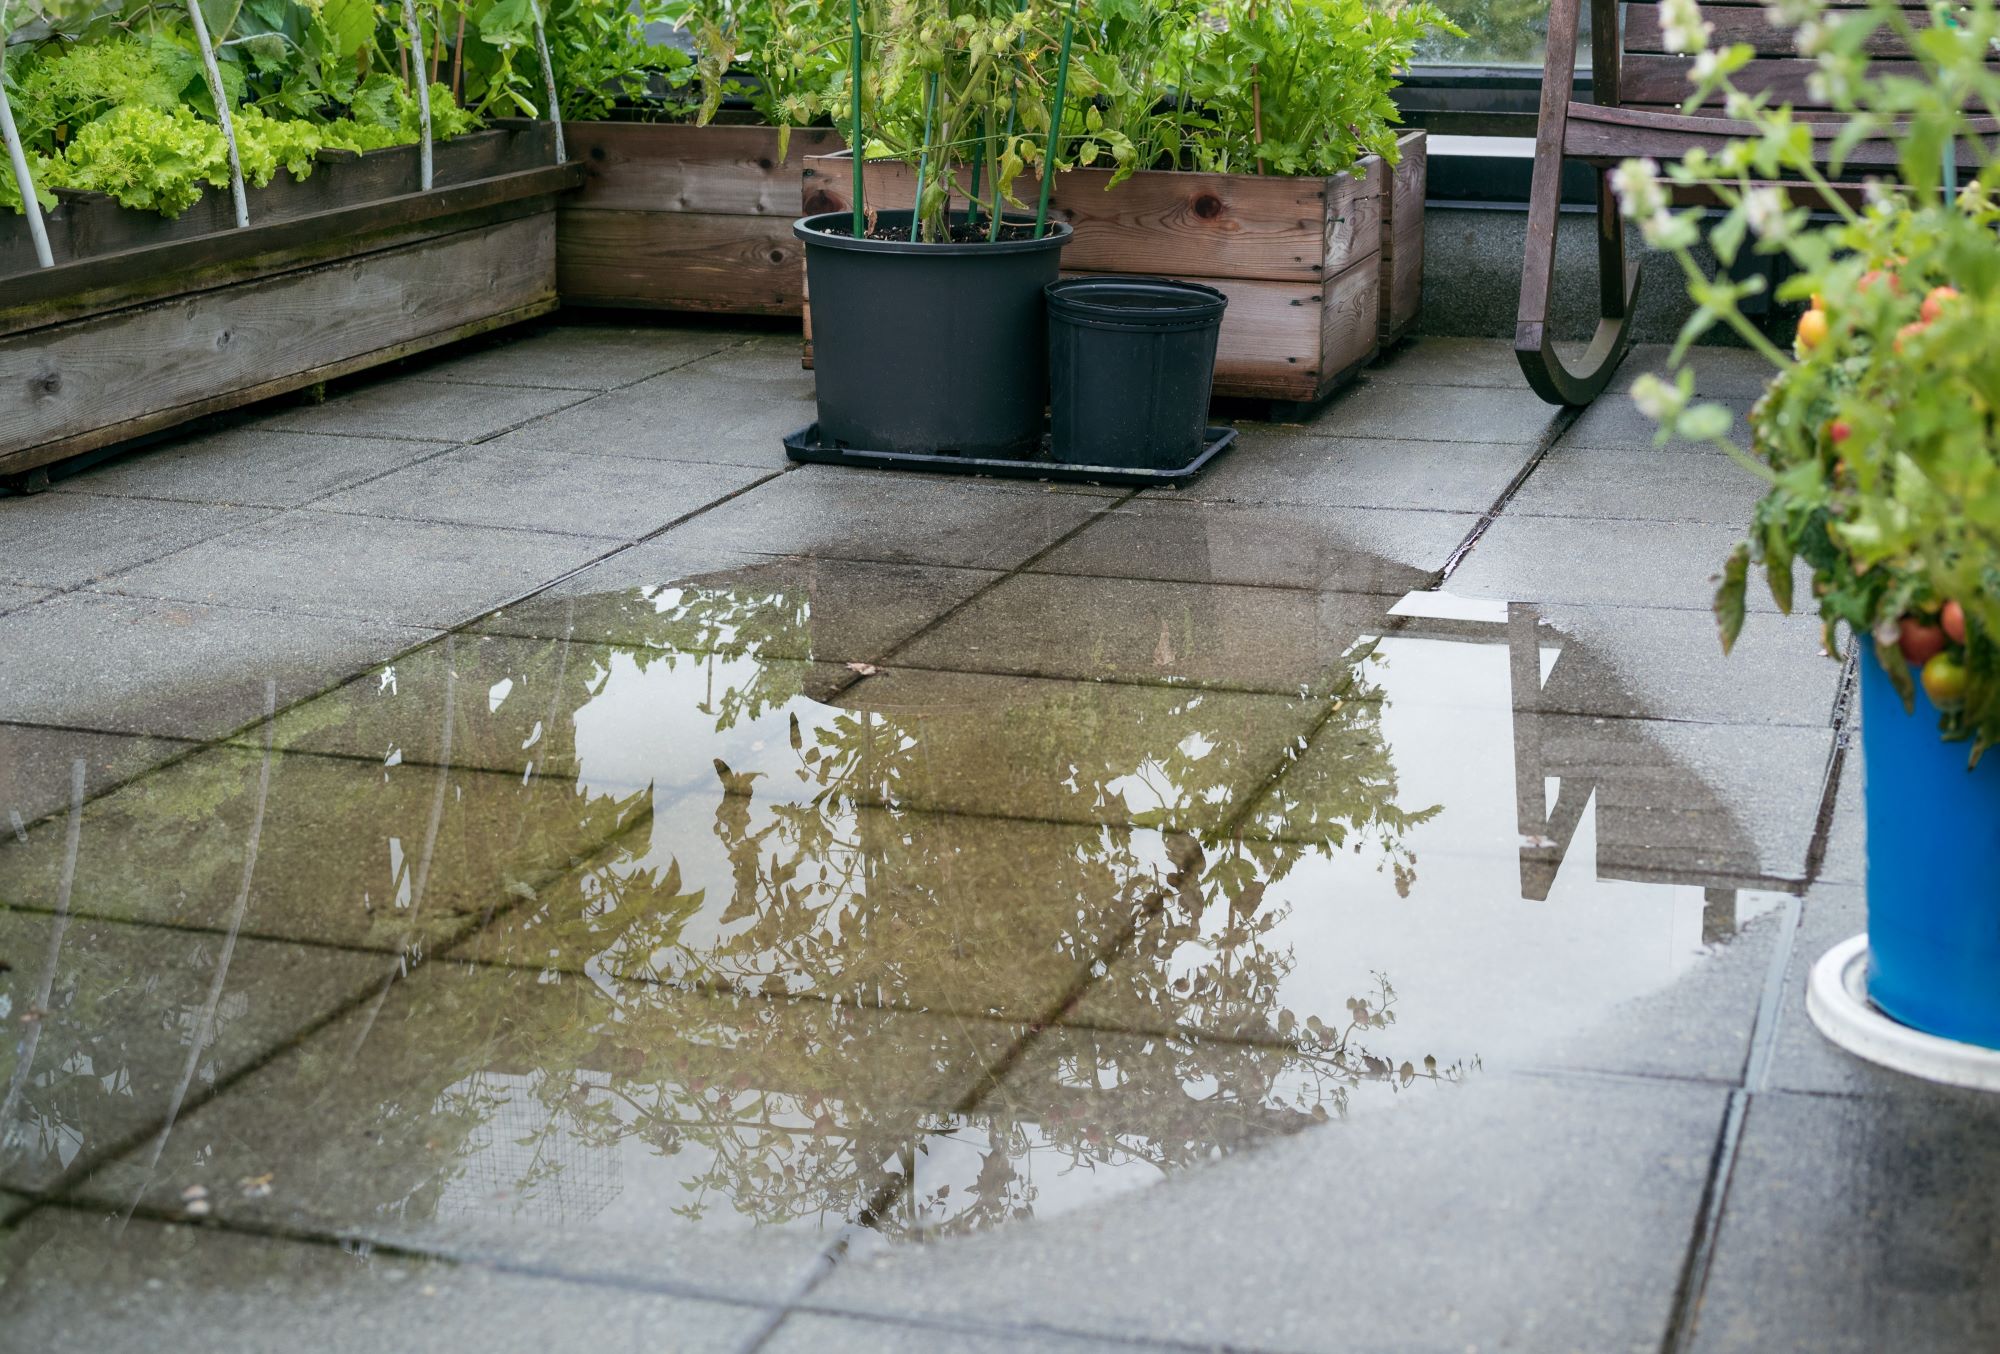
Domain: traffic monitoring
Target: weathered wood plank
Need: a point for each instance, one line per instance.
(84, 384)
(740, 265)
(37, 297)
(1402, 287)
(1748, 24)
(672, 167)
(1199, 225)
(1659, 78)
(1350, 319)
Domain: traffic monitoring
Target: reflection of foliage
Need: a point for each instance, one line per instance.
(1498, 32)
(714, 945)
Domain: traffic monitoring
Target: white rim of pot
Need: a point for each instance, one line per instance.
(1837, 1000)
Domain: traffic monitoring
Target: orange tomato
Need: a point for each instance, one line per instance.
(1909, 331)
(1934, 303)
(1813, 329)
(1953, 621)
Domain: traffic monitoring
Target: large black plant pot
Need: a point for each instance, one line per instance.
(929, 347)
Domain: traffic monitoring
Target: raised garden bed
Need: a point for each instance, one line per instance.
(678, 217)
(146, 322)
(1300, 259)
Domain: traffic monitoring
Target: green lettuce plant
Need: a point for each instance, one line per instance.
(1876, 437)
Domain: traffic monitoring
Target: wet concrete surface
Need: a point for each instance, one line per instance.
(582, 882)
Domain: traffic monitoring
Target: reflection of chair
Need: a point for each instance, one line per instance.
(1622, 769)
(526, 1158)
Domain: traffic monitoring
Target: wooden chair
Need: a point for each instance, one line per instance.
(1637, 86)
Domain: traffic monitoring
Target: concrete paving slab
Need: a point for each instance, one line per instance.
(1593, 560)
(828, 513)
(665, 597)
(579, 356)
(119, 1027)
(182, 670)
(1419, 1193)
(773, 355)
(402, 406)
(506, 486)
(1435, 413)
(378, 569)
(347, 852)
(36, 768)
(1846, 859)
(1859, 1225)
(254, 465)
(1354, 550)
(1286, 466)
(79, 1282)
(808, 1332)
(1656, 663)
(1720, 373)
(684, 416)
(583, 1127)
(14, 597)
(1437, 360)
(67, 540)
(1643, 486)
(1140, 630)
(1613, 422)
(964, 917)
(1803, 1059)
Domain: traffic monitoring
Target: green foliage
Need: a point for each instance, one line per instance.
(1877, 436)
(127, 111)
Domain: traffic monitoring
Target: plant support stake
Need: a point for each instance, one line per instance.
(221, 97)
(415, 38)
(856, 145)
(22, 178)
(549, 78)
(1055, 123)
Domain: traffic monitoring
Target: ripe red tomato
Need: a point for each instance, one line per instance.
(1934, 303)
(1920, 641)
(1953, 621)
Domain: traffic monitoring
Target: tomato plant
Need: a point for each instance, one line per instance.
(1876, 436)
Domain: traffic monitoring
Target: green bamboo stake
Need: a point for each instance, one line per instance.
(1055, 123)
(858, 147)
(978, 163)
(1013, 111)
(924, 154)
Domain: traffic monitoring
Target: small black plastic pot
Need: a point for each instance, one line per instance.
(929, 348)
(1131, 360)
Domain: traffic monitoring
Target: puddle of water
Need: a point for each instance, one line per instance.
(694, 932)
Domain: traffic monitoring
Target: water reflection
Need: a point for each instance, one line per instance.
(632, 907)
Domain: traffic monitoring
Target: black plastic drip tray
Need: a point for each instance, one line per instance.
(805, 445)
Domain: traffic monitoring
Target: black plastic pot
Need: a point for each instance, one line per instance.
(929, 347)
(1131, 360)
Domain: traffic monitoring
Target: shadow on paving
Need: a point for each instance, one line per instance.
(679, 933)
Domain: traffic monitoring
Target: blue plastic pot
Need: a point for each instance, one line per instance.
(1933, 870)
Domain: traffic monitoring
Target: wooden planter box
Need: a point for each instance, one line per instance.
(674, 217)
(145, 323)
(1403, 240)
(1299, 258)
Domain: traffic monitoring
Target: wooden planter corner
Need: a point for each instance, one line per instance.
(161, 327)
(1403, 239)
(675, 217)
(1298, 258)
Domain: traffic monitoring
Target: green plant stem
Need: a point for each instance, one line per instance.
(978, 164)
(857, 144)
(923, 155)
(1055, 122)
(1736, 320)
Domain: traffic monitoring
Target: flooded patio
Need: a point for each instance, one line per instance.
(495, 859)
